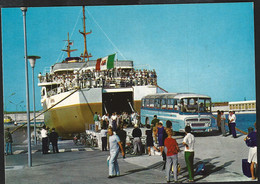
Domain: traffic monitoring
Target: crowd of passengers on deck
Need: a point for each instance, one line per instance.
(112, 78)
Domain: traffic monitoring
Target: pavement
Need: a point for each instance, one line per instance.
(79, 164)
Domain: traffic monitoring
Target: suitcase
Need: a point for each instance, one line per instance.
(200, 170)
(246, 168)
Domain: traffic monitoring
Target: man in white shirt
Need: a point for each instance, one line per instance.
(232, 121)
(103, 134)
(105, 116)
(114, 145)
(188, 142)
(44, 136)
(114, 118)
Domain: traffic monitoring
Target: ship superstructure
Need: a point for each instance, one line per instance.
(75, 89)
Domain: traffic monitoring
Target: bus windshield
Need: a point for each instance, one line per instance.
(194, 105)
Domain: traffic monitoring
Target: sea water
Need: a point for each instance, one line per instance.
(244, 121)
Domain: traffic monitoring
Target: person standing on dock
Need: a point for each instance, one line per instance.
(189, 142)
(54, 140)
(114, 145)
(121, 133)
(149, 139)
(171, 155)
(165, 135)
(219, 121)
(154, 125)
(155, 121)
(137, 134)
(96, 121)
(232, 122)
(223, 118)
(114, 118)
(251, 141)
(160, 134)
(103, 134)
(44, 134)
(8, 142)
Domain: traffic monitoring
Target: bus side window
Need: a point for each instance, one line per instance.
(170, 104)
(157, 103)
(163, 103)
(146, 102)
(151, 103)
(175, 105)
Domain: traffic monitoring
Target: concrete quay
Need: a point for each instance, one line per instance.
(221, 155)
(22, 117)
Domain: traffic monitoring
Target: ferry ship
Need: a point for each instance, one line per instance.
(77, 87)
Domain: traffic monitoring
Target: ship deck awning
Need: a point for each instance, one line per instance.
(48, 83)
(66, 69)
(117, 90)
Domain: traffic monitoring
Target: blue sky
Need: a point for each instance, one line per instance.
(201, 48)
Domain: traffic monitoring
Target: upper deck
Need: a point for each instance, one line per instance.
(67, 76)
(90, 65)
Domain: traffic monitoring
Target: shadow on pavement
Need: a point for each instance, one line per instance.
(154, 166)
(210, 168)
(51, 162)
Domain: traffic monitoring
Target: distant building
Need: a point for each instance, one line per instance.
(217, 104)
(242, 105)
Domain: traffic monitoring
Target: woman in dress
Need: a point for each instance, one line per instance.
(149, 139)
(160, 135)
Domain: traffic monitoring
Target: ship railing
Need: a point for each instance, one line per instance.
(145, 75)
(108, 85)
(61, 89)
(117, 82)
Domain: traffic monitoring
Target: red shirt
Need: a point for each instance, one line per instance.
(171, 146)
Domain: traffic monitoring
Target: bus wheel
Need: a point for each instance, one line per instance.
(147, 121)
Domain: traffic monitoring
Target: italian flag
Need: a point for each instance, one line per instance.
(105, 62)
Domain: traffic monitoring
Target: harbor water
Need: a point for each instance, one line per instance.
(244, 121)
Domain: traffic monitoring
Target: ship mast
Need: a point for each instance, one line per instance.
(68, 46)
(85, 54)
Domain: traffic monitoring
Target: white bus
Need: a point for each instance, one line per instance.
(180, 108)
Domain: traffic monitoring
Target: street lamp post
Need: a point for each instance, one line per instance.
(32, 60)
(24, 9)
